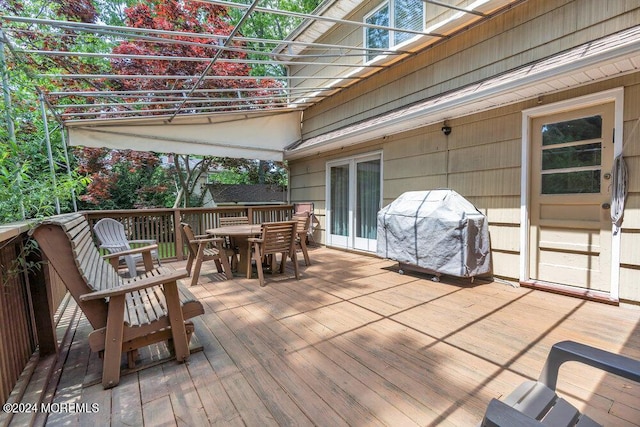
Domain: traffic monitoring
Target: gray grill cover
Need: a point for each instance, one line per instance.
(438, 230)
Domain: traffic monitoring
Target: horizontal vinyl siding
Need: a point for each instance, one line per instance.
(630, 237)
(484, 166)
(526, 33)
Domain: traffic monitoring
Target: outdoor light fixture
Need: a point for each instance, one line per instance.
(446, 129)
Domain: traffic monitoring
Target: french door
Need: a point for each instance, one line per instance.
(354, 197)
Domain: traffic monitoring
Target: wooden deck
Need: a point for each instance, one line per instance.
(352, 343)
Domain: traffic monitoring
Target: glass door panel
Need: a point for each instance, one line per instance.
(367, 204)
(354, 197)
(339, 205)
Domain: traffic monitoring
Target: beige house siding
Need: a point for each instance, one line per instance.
(528, 32)
(630, 238)
(480, 159)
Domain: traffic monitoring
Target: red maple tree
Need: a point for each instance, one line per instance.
(191, 18)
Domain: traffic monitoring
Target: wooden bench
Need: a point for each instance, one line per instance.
(535, 403)
(126, 314)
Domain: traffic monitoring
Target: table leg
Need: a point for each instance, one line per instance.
(245, 259)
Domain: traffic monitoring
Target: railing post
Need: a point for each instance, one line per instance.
(42, 301)
(250, 215)
(177, 218)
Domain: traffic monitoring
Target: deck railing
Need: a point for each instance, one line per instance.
(29, 296)
(161, 224)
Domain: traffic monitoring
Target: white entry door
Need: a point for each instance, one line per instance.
(570, 231)
(354, 197)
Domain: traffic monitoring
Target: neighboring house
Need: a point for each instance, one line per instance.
(246, 194)
(538, 99)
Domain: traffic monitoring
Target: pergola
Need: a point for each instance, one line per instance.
(196, 120)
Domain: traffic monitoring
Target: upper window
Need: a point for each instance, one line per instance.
(400, 14)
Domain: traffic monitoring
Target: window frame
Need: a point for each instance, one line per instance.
(368, 58)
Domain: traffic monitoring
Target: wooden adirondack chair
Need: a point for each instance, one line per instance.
(277, 238)
(113, 238)
(204, 248)
(126, 314)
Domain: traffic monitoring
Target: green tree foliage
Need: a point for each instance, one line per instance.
(271, 27)
(27, 188)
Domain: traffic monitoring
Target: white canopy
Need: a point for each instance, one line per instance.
(260, 135)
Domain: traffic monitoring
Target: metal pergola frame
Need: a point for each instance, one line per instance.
(337, 73)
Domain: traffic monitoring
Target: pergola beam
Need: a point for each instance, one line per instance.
(143, 34)
(185, 58)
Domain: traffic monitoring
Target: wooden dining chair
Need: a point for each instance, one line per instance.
(303, 221)
(277, 238)
(204, 248)
(228, 221)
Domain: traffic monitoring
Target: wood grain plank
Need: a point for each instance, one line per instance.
(126, 402)
(159, 412)
(187, 406)
(218, 406)
(368, 346)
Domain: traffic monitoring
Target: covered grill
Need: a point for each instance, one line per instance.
(436, 231)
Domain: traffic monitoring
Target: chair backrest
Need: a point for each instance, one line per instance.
(278, 237)
(188, 236)
(300, 208)
(67, 244)
(226, 221)
(111, 232)
(303, 220)
(303, 207)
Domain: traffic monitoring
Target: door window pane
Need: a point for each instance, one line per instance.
(571, 182)
(340, 200)
(367, 198)
(572, 157)
(572, 130)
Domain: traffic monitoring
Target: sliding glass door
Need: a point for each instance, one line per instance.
(354, 195)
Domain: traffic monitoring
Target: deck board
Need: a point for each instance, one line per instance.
(355, 343)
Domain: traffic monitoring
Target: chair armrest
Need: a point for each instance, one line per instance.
(146, 241)
(499, 414)
(166, 277)
(255, 240)
(206, 236)
(199, 240)
(107, 246)
(141, 249)
(570, 351)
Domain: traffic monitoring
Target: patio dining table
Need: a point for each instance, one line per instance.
(240, 235)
